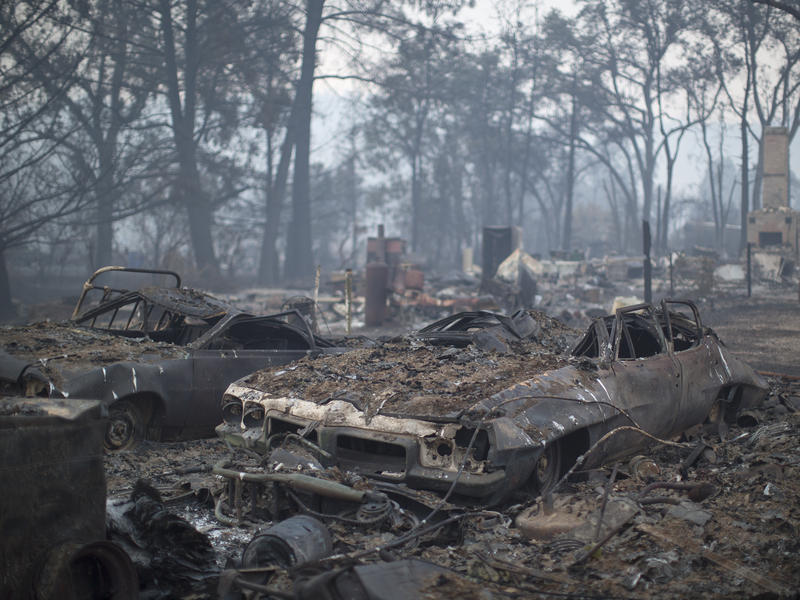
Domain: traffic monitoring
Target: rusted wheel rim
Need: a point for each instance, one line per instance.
(123, 427)
(548, 468)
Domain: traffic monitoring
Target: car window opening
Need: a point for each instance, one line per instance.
(250, 335)
(639, 339)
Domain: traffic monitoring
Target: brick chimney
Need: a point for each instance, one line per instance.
(775, 187)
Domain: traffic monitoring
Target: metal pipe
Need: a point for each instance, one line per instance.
(377, 282)
(749, 280)
(297, 481)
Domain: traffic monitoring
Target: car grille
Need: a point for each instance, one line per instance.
(282, 426)
(371, 455)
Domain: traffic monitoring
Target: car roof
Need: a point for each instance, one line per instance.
(183, 301)
(186, 301)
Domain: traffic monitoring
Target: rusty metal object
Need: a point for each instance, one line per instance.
(414, 278)
(290, 543)
(376, 247)
(52, 509)
(110, 292)
(644, 468)
(375, 297)
(297, 481)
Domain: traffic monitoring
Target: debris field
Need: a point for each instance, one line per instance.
(714, 514)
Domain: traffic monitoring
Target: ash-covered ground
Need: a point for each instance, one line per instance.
(731, 533)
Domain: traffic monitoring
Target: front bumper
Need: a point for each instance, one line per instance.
(386, 457)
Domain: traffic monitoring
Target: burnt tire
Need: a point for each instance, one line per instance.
(126, 426)
(547, 471)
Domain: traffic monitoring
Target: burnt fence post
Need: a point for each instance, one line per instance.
(749, 270)
(648, 284)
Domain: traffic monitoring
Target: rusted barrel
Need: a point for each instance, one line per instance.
(375, 301)
(296, 541)
(414, 279)
(53, 504)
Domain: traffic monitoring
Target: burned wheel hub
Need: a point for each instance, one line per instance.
(548, 468)
(124, 426)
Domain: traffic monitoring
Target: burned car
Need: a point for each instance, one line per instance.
(159, 357)
(486, 422)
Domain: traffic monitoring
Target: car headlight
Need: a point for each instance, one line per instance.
(232, 412)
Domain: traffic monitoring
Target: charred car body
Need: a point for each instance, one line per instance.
(641, 373)
(158, 357)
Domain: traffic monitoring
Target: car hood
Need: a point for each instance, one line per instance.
(59, 352)
(404, 378)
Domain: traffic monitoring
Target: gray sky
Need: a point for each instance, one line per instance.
(334, 111)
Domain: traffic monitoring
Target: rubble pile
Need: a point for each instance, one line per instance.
(722, 526)
(714, 514)
(411, 375)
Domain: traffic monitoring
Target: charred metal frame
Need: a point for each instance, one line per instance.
(639, 374)
(108, 292)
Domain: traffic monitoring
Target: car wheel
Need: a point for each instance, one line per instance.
(125, 426)
(548, 468)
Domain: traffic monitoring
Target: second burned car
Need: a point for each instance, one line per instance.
(489, 421)
(158, 357)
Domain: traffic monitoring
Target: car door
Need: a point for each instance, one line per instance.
(237, 347)
(647, 380)
(214, 370)
(700, 385)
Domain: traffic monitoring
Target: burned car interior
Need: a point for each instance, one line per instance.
(643, 332)
(187, 317)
